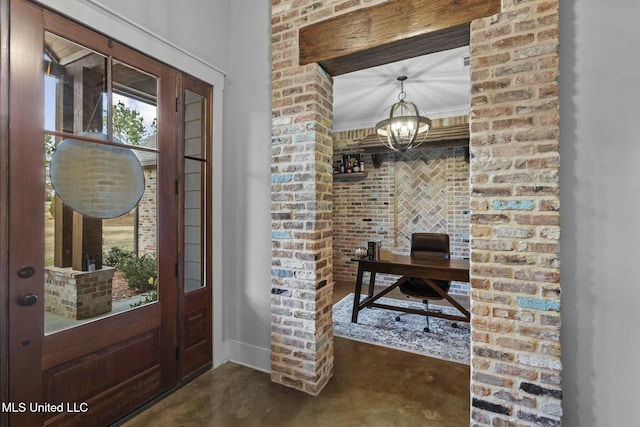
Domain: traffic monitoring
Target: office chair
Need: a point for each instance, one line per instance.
(426, 245)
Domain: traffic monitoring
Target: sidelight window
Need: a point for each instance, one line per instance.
(195, 190)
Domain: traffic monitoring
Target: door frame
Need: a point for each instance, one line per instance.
(138, 346)
(25, 338)
(122, 27)
(4, 211)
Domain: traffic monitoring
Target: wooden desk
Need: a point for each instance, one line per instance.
(424, 268)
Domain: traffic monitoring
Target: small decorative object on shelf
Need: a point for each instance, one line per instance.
(350, 163)
(373, 250)
(361, 252)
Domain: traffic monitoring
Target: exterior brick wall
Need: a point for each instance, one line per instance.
(515, 302)
(147, 215)
(78, 294)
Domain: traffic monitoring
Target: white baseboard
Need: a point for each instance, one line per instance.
(247, 355)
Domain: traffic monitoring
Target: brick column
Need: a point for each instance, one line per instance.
(301, 191)
(515, 362)
(302, 282)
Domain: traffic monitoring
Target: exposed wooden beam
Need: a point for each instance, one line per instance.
(389, 32)
(438, 41)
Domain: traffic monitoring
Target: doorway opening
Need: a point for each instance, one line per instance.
(425, 189)
(514, 182)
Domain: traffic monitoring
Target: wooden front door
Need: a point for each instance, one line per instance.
(100, 317)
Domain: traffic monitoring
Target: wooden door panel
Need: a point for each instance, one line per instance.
(98, 380)
(197, 350)
(79, 379)
(113, 403)
(63, 346)
(195, 328)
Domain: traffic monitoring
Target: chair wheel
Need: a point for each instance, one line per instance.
(426, 329)
(397, 318)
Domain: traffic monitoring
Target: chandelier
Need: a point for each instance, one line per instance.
(405, 128)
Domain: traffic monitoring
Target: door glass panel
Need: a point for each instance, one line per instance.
(98, 265)
(134, 105)
(195, 227)
(75, 87)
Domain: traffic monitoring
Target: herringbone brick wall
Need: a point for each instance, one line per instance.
(418, 191)
(420, 186)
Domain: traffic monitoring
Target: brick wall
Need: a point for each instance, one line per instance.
(362, 208)
(78, 294)
(419, 191)
(515, 301)
(515, 304)
(147, 215)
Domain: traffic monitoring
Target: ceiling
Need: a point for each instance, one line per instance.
(438, 83)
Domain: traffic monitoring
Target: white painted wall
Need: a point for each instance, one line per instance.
(600, 211)
(246, 214)
(199, 26)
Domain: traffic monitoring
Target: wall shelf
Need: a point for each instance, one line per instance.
(349, 176)
(438, 137)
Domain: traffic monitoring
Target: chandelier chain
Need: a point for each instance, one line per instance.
(402, 95)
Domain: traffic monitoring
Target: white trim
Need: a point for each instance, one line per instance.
(216, 223)
(153, 35)
(248, 355)
(105, 20)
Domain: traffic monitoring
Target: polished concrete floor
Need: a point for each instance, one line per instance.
(371, 386)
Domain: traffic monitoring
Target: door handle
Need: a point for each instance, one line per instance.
(26, 272)
(27, 300)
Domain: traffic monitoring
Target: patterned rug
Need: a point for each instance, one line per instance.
(379, 327)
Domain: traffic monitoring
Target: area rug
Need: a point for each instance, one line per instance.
(378, 326)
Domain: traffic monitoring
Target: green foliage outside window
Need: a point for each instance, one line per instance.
(128, 125)
(140, 272)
